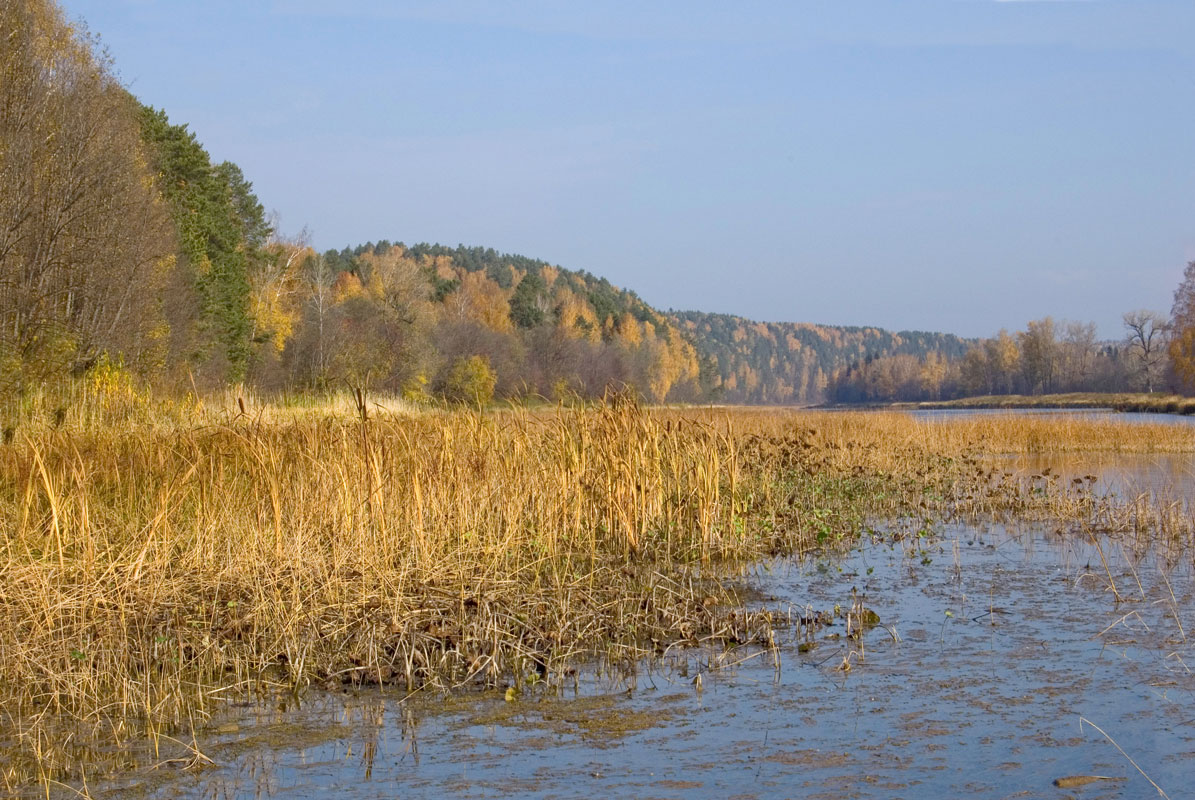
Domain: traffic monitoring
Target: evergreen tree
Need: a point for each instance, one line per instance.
(526, 305)
(222, 231)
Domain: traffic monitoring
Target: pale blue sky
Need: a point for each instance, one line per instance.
(955, 165)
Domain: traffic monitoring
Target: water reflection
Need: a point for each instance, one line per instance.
(1125, 475)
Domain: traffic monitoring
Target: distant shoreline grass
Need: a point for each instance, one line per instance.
(1157, 402)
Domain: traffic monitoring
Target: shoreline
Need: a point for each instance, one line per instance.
(1086, 401)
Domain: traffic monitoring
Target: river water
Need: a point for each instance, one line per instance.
(1111, 415)
(1004, 661)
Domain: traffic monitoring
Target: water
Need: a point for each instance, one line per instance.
(1101, 414)
(999, 653)
(1165, 477)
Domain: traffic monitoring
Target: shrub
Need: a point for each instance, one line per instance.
(471, 380)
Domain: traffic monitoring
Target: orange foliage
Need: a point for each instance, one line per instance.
(575, 318)
(481, 300)
(628, 330)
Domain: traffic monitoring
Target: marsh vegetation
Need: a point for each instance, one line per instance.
(160, 562)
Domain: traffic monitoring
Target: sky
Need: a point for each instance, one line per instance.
(948, 165)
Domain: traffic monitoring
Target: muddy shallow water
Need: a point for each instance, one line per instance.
(998, 655)
(1169, 477)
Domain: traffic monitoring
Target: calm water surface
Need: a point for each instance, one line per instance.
(1137, 417)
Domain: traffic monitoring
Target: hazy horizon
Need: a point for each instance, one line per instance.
(946, 166)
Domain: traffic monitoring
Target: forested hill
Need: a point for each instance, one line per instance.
(463, 322)
(791, 362)
(545, 329)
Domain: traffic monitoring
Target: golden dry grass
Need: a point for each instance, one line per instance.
(155, 561)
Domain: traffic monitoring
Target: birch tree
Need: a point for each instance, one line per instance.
(1146, 343)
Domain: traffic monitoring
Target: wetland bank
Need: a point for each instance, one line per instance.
(463, 601)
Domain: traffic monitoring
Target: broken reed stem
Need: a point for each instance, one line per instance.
(1084, 720)
(1111, 582)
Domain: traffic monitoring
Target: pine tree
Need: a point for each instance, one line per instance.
(222, 233)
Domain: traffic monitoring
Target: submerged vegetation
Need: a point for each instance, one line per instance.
(158, 560)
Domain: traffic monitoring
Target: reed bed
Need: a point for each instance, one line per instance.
(1156, 402)
(154, 567)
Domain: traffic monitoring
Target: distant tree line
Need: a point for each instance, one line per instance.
(1179, 336)
(1045, 358)
(743, 361)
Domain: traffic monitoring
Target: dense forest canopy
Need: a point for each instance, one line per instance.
(769, 362)
(123, 243)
